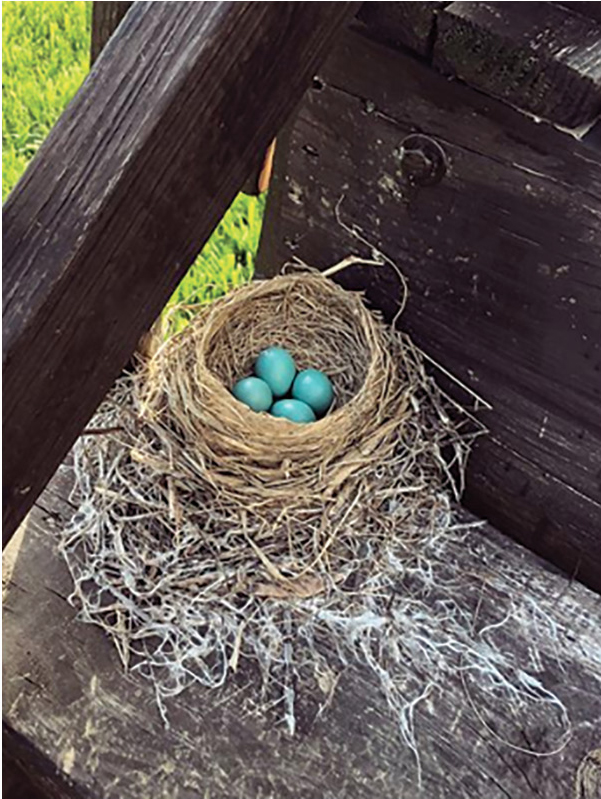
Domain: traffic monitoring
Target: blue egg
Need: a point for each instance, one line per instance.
(293, 410)
(314, 388)
(276, 367)
(253, 392)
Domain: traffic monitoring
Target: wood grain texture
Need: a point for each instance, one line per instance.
(105, 18)
(592, 10)
(502, 250)
(409, 24)
(123, 194)
(68, 704)
(538, 56)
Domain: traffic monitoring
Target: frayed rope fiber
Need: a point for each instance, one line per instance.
(208, 534)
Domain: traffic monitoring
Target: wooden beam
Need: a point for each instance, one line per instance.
(77, 720)
(122, 196)
(502, 251)
(538, 56)
(105, 18)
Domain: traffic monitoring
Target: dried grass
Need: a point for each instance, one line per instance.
(208, 534)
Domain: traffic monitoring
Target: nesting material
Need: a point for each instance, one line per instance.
(209, 535)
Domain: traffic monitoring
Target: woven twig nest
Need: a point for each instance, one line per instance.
(273, 468)
(208, 534)
(193, 506)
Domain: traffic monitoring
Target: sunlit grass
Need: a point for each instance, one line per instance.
(45, 57)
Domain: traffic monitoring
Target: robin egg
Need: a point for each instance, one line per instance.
(293, 410)
(253, 392)
(276, 367)
(314, 388)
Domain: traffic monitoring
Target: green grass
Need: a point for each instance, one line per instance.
(45, 57)
(227, 259)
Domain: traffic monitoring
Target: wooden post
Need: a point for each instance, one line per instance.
(122, 196)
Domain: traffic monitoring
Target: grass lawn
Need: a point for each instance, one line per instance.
(45, 57)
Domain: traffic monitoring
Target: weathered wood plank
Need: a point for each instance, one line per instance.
(409, 24)
(503, 257)
(105, 18)
(122, 196)
(538, 56)
(68, 704)
(592, 10)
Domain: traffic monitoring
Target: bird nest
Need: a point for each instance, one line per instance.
(208, 534)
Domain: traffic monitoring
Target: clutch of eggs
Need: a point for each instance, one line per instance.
(300, 397)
